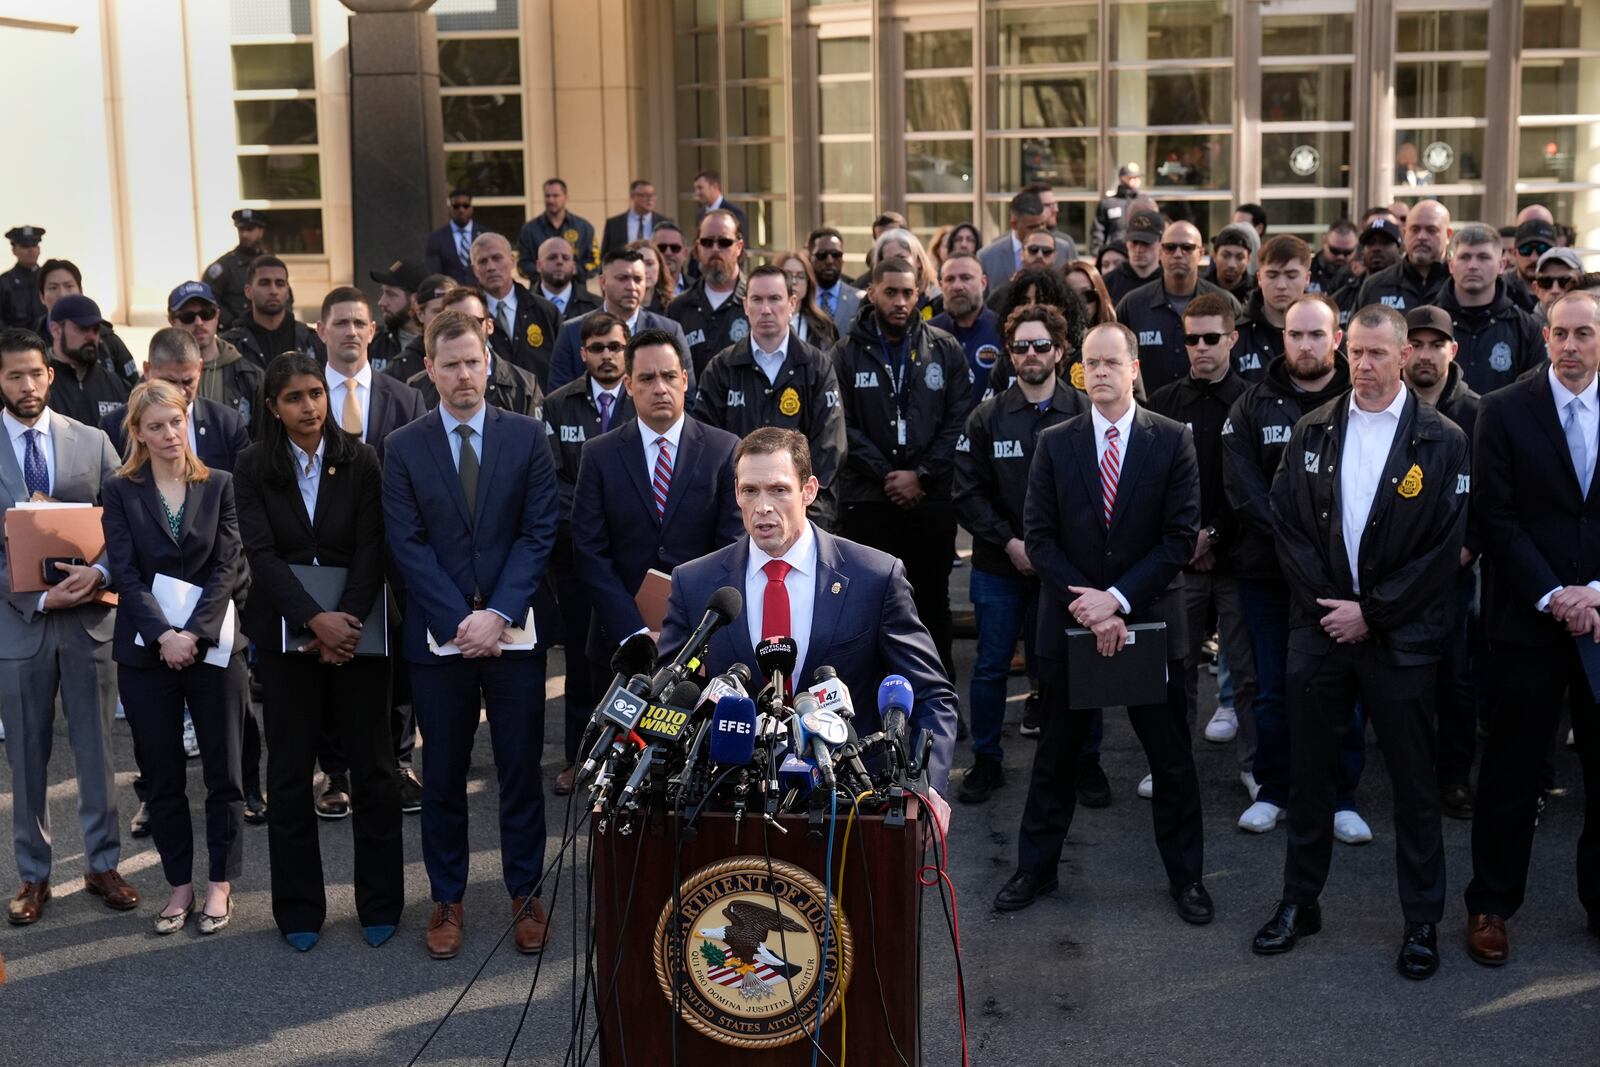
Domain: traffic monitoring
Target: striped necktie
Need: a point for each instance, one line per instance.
(661, 481)
(1110, 471)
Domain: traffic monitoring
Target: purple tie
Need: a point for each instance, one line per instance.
(606, 401)
(34, 470)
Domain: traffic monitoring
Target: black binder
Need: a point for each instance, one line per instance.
(326, 586)
(1135, 676)
(1589, 656)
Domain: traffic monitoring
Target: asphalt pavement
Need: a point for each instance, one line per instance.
(1101, 972)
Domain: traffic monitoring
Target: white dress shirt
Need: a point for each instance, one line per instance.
(19, 444)
(651, 449)
(1368, 437)
(338, 385)
(1588, 416)
(308, 476)
(771, 363)
(1124, 427)
(640, 227)
(801, 584)
(595, 391)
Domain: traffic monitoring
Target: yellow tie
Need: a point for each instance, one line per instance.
(351, 419)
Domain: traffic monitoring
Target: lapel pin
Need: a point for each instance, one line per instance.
(202, 430)
(836, 588)
(332, 471)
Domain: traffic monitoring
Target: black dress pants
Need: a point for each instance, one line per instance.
(302, 695)
(1052, 788)
(1525, 706)
(1321, 689)
(923, 538)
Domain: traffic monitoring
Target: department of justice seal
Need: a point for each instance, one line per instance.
(746, 952)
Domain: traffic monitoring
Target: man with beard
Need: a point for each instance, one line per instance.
(1232, 249)
(229, 275)
(1379, 246)
(1338, 250)
(711, 313)
(1421, 272)
(835, 294)
(591, 404)
(1310, 373)
(270, 329)
(968, 320)
(1496, 341)
(556, 221)
(83, 389)
(225, 376)
(1560, 271)
(1434, 377)
(1154, 311)
(557, 269)
(622, 295)
(906, 396)
(400, 326)
(506, 385)
(674, 248)
(525, 324)
(19, 287)
(1284, 271)
(426, 303)
(1529, 241)
(61, 277)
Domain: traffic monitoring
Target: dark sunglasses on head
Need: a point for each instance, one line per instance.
(1196, 338)
(1179, 246)
(205, 314)
(827, 253)
(666, 246)
(1040, 345)
(1533, 248)
(599, 348)
(1551, 281)
(717, 242)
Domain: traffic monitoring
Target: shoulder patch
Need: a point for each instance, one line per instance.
(214, 271)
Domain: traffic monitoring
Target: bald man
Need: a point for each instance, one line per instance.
(1154, 311)
(1421, 273)
(558, 271)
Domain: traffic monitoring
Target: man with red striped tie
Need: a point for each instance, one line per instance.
(1112, 517)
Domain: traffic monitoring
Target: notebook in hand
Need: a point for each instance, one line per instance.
(326, 586)
(1137, 675)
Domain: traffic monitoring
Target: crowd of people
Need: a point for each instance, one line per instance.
(1353, 479)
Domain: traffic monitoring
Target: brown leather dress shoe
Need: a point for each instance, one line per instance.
(28, 904)
(1486, 940)
(112, 888)
(564, 781)
(444, 931)
(533, 926)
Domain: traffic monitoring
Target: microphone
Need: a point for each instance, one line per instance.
(723, 607)
(733, 731)
(797, 777)
(775, 659)
(834, 696)
(618, 712)
(824, 732)
(895, 699)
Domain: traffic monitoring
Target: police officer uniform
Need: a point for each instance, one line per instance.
(1498, 343)
(21, 304)
(709, 329)
(246, 340)
(228, 274)
(736, 394)
(576, 231)
(1158, 323)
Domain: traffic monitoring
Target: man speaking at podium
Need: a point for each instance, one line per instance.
(846, 606)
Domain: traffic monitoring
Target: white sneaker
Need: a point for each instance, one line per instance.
(1147, 786)
(1223, 727)
(122, 712)
(191, 746)
(2, 731)
(1260, 817)
(1351, 828)
(1572, 739)
(1251, 786)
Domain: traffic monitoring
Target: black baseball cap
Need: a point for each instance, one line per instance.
(1380, 228)
(401, 275)
(1536, 230)
(1144, 227)
(1430, 317)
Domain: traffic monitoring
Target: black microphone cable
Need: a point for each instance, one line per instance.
(872, 923)
(928, 877)
(604, 1006)
(815, 1033)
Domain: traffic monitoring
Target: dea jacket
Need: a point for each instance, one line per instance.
(932, 400)
(1253, 441)
(1148, 311)
(708, 329)
(1259, 342)
(1496, 343)
(1409, 555)
(1402, 288)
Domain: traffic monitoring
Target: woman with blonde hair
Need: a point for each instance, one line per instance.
(657, 278)
(1085, 280)
(810, 323)
(178, 569)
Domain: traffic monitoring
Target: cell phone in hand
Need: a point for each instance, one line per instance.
(51, 568)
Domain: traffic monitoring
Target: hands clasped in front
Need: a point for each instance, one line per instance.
(337, 635)
(1578, 608)
(1097, 610)
(479, 634)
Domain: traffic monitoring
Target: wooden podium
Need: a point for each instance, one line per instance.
(639, 1016)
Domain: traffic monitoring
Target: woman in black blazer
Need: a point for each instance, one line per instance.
(167, 516)
(312, 495)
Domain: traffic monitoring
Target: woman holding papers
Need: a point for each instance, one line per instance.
(311, 514)
(173, 544)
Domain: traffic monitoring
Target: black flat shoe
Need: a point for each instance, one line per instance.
(1023, 889)
(1289, 923)
(1194, 904)
(1419, 952)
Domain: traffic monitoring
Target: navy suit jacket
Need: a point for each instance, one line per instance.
(440, 256)
(208, 553)
(1154, 524)
(864, 625)
(445, 552)
(616, 534)
(567, 363)
(219, 433)
(394, 404)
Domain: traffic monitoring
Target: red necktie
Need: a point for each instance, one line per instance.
(775, 602)
(1110, 472)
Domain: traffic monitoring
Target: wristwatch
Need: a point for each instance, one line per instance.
(1211, 535)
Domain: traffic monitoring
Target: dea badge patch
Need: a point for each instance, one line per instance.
(789, 403)
(745, 953)
(1500, 357)
(739, 329)
(535, 335)
(1078, 377)
(933, 377)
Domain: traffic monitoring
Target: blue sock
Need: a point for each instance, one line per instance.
(304, 942)
(377, 935)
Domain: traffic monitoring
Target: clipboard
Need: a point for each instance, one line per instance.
(39, 530)
(1134, 677)
(512, 639)
(651, 599)
(326, 586)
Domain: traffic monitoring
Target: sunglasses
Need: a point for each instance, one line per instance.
(827, 254)
(717, 242)
(1040, 345)
(205, 314)
(1553, 281)
(666, 246)
(1196, 338)
(600, 348)
(1040, 250)
(1176, 246)
(1341, 253)
(1533, 249)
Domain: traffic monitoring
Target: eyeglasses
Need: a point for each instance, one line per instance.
(1552, 281)
(1340, 253)
(1196, 338)
(717, 242)
(1533, 248)
(827, 253)
(600, 348)
(205, 314)
(1040, 250)
(668, 247)
(1179, 246)
(1040, 345)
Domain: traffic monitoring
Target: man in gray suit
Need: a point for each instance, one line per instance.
(47, 639)
(1003, 257)
(835, 294)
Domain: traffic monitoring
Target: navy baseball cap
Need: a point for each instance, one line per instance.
(401, 275)
(78, 310)
(190, 291)
(1145, 228)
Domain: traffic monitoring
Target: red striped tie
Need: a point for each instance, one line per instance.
(1110, 471)
(661, 481)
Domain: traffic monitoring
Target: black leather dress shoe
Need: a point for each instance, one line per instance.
(1194, 903)
(1419, 952)
(1023, 889)
(1287, 926)
(1094, 789)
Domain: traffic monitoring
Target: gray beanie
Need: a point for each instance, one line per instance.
(1237, 233)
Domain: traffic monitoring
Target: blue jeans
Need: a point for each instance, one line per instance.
(1265, 606)
(1005, 608)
